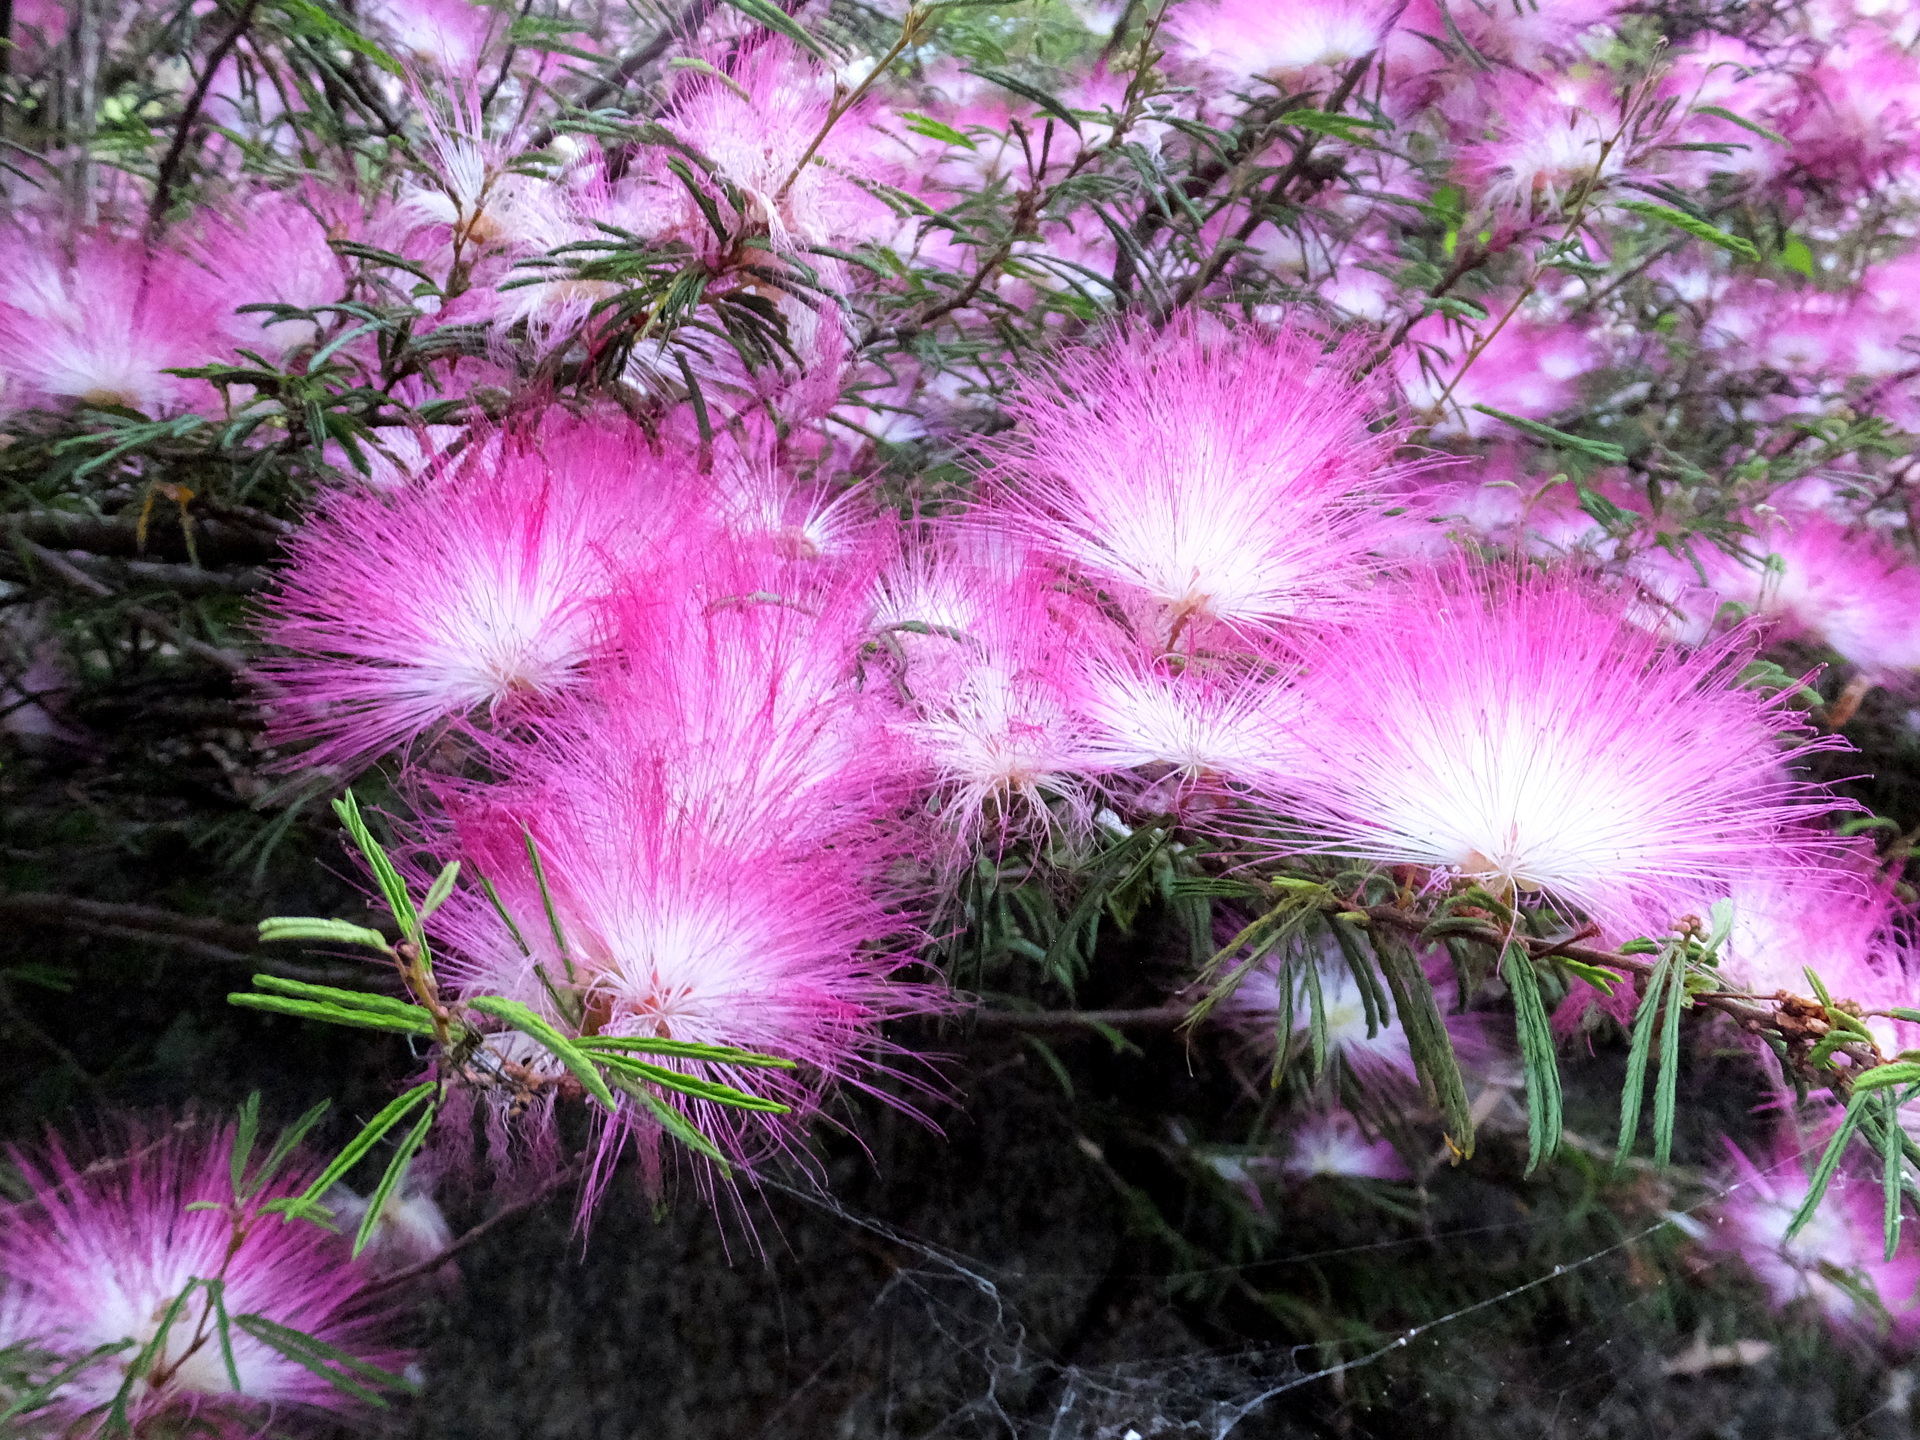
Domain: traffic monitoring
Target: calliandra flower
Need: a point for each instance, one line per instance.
(1845, 587)
(1518, 729)
(1196, 725)
(1205, 477)
(1837, 1266)
(97, 1253)
(990, 673)
(105, 328)
(681, 926)
(464, 594)
(1331, 1143)
(1543, 144)
(1249, 38)
(272, 250)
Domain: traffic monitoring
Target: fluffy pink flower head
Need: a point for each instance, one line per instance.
(1227, 478)
(467, 593)
(1844, 587)
(1195, 724)
(105, 328)
(1858, 119)
(1519, 729)
(1837, 1265)
(1539, 143)
(1242, 39)
(991, 673)
(274, 251)
(755, 126)
(1331, 1143)
(685, 922)
(98, 1254)
(452, 36)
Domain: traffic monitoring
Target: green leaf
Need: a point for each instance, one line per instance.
(283, 1147)
(391, 1007)
(1326, 122)
(396, 1167)
(687, 1049)
(1893, 1174)
(29, 1401)
(1601, 450)
(155, 1347)
(331, 932)
(699, 1088)
(1900, 1072)
(523, 1019)
(245, 1134)
(371, 1133)
(546, 900)
(774, 18)
(1795, 256)
(1667, 1085)
(223, 1327)
(1309, 970)
(1694, 226)
(1829, 1161)
(1537, 1057)
(319, 1357)
(1639, 1052)
(673, 1122)
(1745, 124)
(926, 125)
(1598, 976)
(328, 1014)
(441, 888)
(384, 875)
(1433, 1057)
(1021, 88)
(316, 23)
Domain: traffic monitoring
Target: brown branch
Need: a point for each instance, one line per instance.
(217, 541)
(1156, 1017)
(219, 942)
(231, 661)
(169, 166)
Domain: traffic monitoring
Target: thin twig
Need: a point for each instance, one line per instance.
(557, 1181)
(231, 661)
(163, 186)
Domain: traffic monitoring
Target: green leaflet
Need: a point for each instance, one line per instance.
(396, 1168)
(370, 1135)
(1432, 1047)
(1537, 1057)
(1694, 226)
(1601, 450)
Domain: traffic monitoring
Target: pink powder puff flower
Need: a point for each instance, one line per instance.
(466, 594)
(1193, 725)
(1845, 587)
(1520, 730)
(104, 329)
(1243, 39)
(1226, 478)
(1837, 1265)
(273, 251)
(98, 1253)
(755, 126)
(1534, 145)
(1331, 1143)
(684, 923)
(990, 671)
(1858, 118)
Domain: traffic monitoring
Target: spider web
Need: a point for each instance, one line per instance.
(960, 1363)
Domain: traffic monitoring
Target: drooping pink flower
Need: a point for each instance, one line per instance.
(105, 328)
(1521, 730)
(465, 594)
(1331, 1143)
(1378, 1056)
(1225, 478)
(1837, 1265)
(97, 1254)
